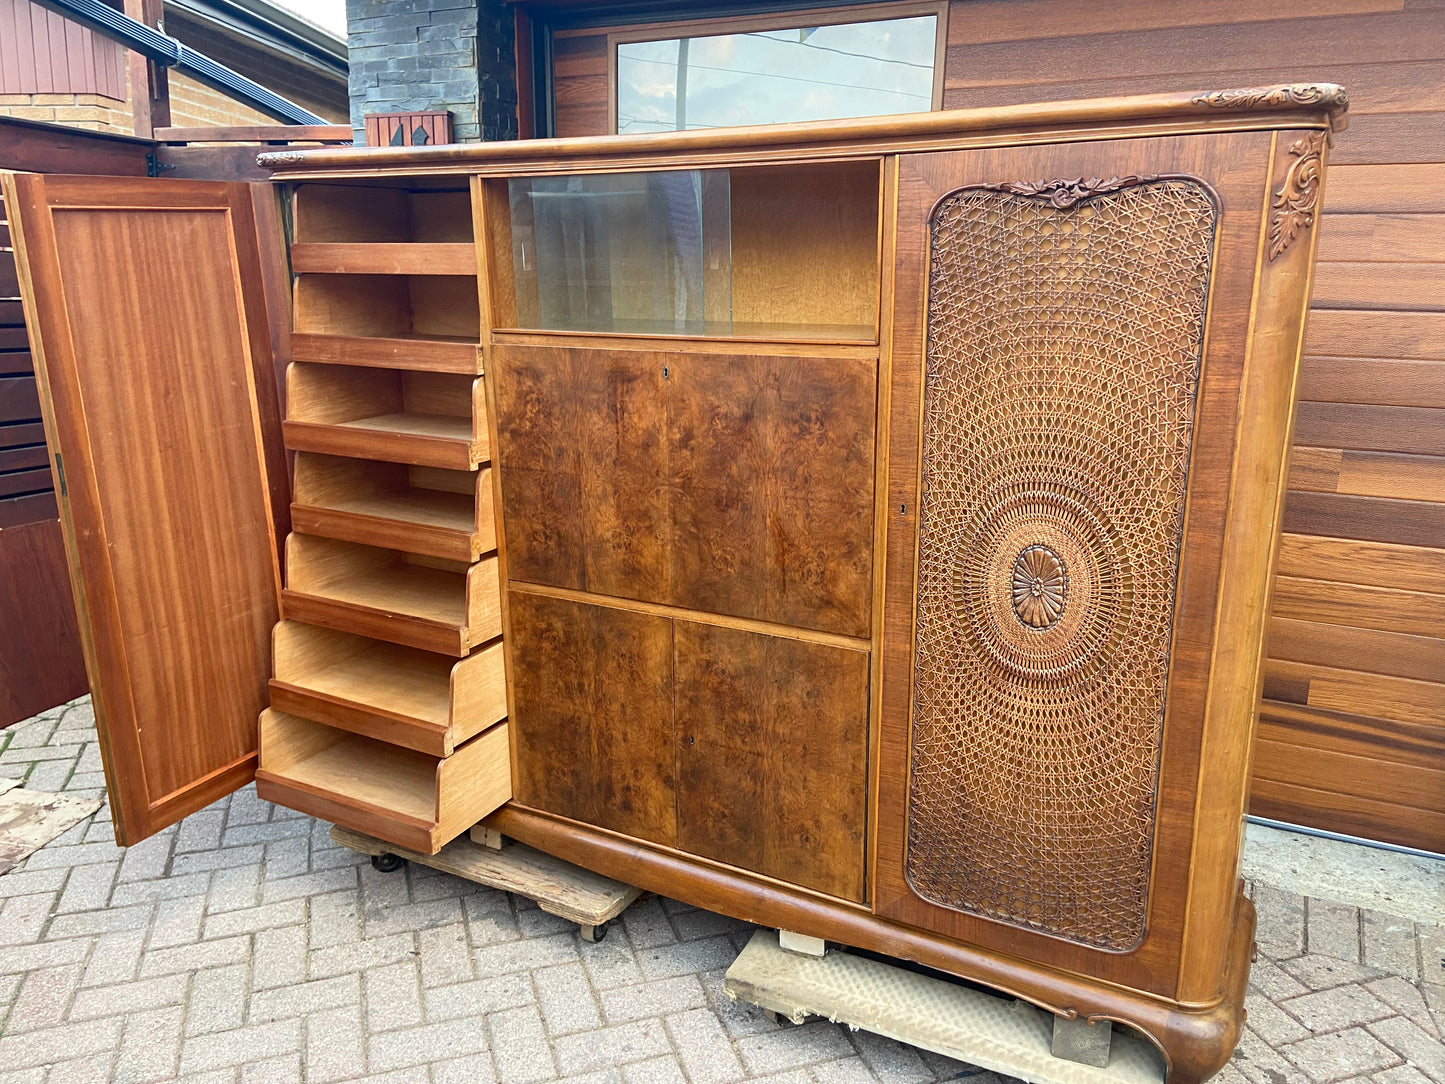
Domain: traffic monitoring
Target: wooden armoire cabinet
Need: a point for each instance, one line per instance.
(862, 528)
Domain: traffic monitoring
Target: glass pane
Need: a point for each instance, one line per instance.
(645, 253)
(771, 76)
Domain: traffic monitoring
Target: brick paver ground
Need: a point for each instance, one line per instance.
(242, 945)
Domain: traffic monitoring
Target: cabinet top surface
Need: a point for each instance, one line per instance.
(1294, 105)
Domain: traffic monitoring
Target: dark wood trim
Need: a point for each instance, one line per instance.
(151, 106)
(38, 147)
(258, 133)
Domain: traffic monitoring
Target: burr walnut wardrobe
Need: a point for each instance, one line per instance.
(862, 528)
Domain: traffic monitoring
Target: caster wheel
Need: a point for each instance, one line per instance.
(593, 934)
(386, 863)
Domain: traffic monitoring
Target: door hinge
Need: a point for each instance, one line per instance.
(60, 474)
(154, 166)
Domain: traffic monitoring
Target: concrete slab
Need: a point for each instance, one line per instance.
(1330, 869)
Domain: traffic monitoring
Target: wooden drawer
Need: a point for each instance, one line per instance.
(418, 601)
(421, 418)
(424, 701)
(401, 321)
(442, 513)
(399, 795)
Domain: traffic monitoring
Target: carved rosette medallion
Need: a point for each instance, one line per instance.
(1295, 204)
(1040, 583)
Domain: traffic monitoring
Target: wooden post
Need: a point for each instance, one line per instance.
(150, 92)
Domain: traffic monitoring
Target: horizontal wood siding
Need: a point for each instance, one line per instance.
(43, 53)
(40, 659)
(1352, 735)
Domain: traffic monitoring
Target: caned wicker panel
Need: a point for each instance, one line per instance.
(1065, 327)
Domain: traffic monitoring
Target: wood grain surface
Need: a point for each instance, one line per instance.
(733, 484)
(772, 747)
(156, 414)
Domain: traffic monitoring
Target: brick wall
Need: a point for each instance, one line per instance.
(196, 105)
(93, 111)
(414, 55)
(193, 104)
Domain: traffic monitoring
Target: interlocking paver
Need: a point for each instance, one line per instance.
(393, 996)
(566, 999)
(335, 1045)
(1335, 1009)
(480, 997)
(519, 1046)
(239, 1046)
(1340, 1055)
(1413, 1044)
(1390, 944)
(420, 1045)
(244, 946)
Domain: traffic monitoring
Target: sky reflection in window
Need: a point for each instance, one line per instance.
(770, 76)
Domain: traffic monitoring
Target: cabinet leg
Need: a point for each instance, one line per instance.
(801, 943)
(1082, 1041)
(487, 837)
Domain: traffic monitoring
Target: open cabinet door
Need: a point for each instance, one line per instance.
(148, 328)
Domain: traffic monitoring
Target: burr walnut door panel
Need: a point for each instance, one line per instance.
(145, 304)
(1054, 538)
(772, 755)
(592, 714)
(731, 484)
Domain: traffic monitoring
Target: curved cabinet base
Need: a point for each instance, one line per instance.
(1196, 1040)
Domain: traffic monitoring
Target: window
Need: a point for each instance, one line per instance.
(778, 72)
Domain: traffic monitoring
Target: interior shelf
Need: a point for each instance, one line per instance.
(404, 321)
(379, 214)
(434, 353)
(400, 795)
(424, 419)
(351, 258)
(427, 702)
(442, 513)
(786, 253)
(418, 601)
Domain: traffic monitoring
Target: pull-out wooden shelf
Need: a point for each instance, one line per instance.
(400, 321)
(441, 513)
(422, 602)
(399, 795)
(417, 699)
(384, 259)
(425, 419)
(435, 353)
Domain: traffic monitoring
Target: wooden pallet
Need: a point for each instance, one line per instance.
(972, 1025)
(557, 887)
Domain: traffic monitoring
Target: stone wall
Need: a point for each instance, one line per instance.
(416, 55)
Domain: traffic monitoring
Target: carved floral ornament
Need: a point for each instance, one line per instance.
(1328, 95)
(1065, 192)
(1295, 204)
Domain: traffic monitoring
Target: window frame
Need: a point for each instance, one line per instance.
(775, 20)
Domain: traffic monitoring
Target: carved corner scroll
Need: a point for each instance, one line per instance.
(1328, 95)
(1295, 204)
